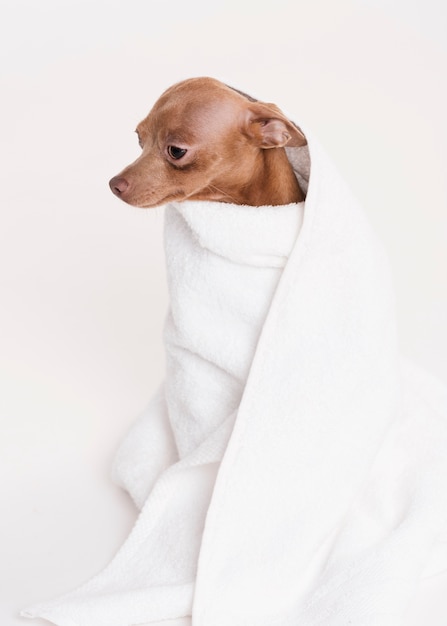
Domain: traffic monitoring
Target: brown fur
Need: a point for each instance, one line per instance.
(234, 150)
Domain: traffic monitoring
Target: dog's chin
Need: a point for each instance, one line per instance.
(151, 203)
(148, 205)
(142, 204)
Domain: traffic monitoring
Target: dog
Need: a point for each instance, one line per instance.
(204, 140)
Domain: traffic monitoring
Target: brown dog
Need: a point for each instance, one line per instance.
(203, 140)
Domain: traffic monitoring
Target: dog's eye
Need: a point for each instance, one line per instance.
(176, 153)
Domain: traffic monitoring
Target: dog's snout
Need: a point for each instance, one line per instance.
(118, 185)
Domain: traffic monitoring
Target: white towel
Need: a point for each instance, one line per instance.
(292, 469)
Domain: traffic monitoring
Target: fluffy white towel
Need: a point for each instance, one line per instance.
(292, 469)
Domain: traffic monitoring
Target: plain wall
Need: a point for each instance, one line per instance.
(82, 282)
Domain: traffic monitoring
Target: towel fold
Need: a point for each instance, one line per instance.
(292, 468)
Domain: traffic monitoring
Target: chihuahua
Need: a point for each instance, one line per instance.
(204, 140)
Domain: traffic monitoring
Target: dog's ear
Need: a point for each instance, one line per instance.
(267, 125)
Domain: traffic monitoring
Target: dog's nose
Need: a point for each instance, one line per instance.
(118, 185)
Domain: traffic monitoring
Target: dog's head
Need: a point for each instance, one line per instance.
(201, 140)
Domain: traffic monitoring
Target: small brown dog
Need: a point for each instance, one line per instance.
(203, 140)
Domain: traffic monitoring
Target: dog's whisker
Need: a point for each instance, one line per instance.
(224, 193)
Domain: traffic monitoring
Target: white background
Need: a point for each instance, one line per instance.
(82, 286)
